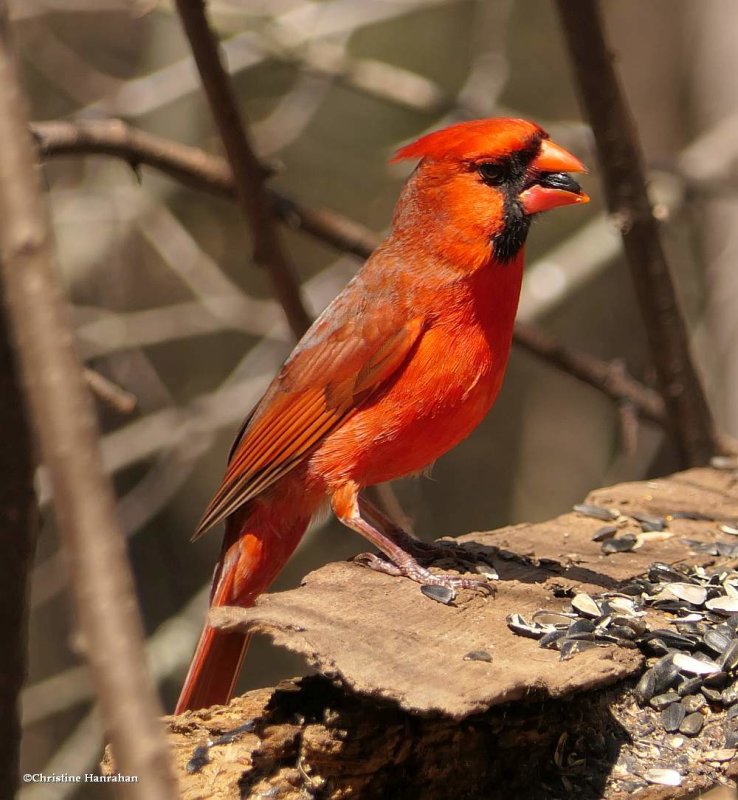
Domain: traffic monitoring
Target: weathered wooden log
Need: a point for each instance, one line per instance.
(418, 699)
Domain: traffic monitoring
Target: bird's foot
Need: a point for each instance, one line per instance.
(409, 568)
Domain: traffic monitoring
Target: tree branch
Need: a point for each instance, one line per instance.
(624, 176)
(109, 392)
(194, 168)
(62, 412)
(17, 542)
(211, 174)
(254, 200)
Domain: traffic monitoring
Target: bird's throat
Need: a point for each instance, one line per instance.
(509, 240)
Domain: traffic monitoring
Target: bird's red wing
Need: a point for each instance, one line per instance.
(328, 376)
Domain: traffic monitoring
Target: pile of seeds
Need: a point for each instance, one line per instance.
(617, 538)
(693, 664)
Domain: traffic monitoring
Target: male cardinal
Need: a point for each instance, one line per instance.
(398, 369)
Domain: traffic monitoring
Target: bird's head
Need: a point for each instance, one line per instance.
(479, 183)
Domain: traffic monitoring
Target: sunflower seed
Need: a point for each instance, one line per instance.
(664, 573)
(723, 605)
(581, 626)
(661, 701)
(694, 703)
(650, 523)
(726, 549)
(571, 647)
(692, 724)
(695, 515)
(555, 618)
(671, 717)
(478, 655)
(441, 594)
(489, 572)
(687, 620)
(695, 595)
(732, 623)
(672, 606)
(584, 636)
(665, 674)
(722, 755)
(662, 777)
(597, 512)
(518, 625)
(586, 606)
(716, 641)
(623, 544)
(730, 529)
(651, 536)
(605, 532)
(671, 638)
(620, 605)
(710, 548)
(638, 626)
(730, 695)
(713, 695)
(622, 632)
(694, 666)
(552, 640)
(700, 656)
(636, 588)
(717, 681)
(655, 647)
(689, 686)
(646, 687)
(729, 658)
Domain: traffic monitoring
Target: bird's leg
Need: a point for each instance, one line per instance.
(345, 504)
(428, 551)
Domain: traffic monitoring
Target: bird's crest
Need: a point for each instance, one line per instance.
(473, 140)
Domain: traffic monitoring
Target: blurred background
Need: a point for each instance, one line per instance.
(168, 303)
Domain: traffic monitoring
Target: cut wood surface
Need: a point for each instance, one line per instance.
(397, 710)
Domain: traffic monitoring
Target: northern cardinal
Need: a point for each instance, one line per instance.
(398, 369)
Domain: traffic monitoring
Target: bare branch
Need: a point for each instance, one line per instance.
(109, 392)
(248, 173)
(194, 168)
(64, 418)
(18, 517)
(690, 420)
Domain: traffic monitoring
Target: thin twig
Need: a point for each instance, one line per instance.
(109, 392)
(248, 173)
(210, 173)
(62, 412)
(690, 420)
(18, 516)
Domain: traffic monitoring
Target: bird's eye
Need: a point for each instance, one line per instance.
(492, 173)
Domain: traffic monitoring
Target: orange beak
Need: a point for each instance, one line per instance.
(550, 185)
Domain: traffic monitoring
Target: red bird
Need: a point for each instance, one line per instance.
(396, 371)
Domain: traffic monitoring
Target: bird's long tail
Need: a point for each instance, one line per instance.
(254, 551)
